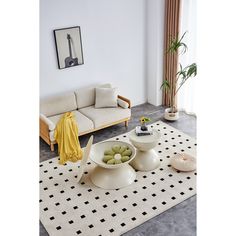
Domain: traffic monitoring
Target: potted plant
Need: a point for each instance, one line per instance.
(143, 121)
(182, 76)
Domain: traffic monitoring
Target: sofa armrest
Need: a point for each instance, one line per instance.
(47, 122)
(125, 100)
(122, 103)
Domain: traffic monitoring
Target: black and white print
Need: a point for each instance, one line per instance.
(68, 47)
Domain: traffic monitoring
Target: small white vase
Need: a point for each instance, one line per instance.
(172, 116)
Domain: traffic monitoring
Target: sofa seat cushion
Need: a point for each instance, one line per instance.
(84, 123)
(105, 116)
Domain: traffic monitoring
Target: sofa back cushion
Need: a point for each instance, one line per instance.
(86, 96)
(58, 104)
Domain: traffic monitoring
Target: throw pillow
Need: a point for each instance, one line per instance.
(106, 97)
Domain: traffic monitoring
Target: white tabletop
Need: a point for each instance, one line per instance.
(145, 138)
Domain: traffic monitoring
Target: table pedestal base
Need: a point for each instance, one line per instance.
(113, 178)
(145, 161)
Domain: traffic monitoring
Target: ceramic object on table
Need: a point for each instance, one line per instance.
(111, 176)
(146, 158)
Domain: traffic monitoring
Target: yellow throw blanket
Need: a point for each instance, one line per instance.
(66, 135)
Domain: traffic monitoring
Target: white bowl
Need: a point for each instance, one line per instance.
(97, 153)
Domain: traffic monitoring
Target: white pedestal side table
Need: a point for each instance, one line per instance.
(146, 158)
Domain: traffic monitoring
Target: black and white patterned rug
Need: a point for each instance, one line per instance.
(70, 208)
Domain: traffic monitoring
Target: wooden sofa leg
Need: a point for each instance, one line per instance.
(126, 123)
(52, 147)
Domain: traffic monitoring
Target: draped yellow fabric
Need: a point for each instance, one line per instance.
(66, 135)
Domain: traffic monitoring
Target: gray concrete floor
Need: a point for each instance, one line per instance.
(180, 220)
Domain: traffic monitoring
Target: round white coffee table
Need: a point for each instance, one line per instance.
(111, 176)
(146, 158)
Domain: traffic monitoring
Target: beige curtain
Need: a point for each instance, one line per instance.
(172, 22)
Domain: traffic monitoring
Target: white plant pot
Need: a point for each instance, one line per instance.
(172, 116)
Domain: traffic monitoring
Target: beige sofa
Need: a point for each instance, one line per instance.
(81, 102)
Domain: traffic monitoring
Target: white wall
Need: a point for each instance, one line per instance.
(155, 50)
(113, 38)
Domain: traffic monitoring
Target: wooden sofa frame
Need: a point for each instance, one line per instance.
(44, 129)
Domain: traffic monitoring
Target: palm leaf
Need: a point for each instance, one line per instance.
(176, 44)
(192, 70)
(165, 85)
(186, 73)
(183, 35)
(181, 72)
(184, 48)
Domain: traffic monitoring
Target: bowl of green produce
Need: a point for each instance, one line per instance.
(112, 154)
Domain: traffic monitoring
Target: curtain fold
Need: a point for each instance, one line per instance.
(172, 24)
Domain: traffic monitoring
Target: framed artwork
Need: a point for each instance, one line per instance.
(69, 47)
